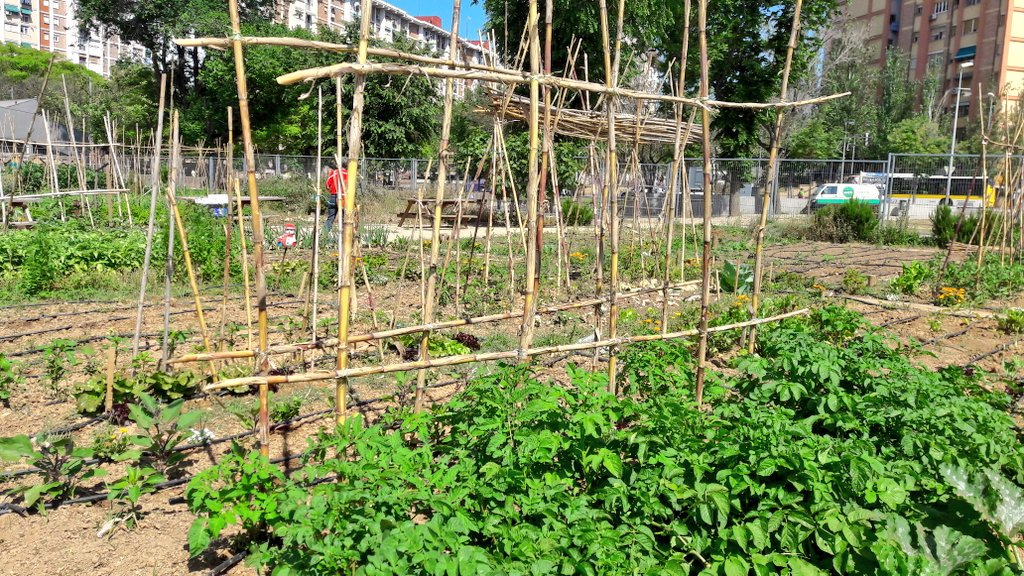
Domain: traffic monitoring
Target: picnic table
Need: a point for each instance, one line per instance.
(452, 210)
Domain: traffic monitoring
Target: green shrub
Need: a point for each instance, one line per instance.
(896, 234)
(815, 456)
(847, 222)
(576, 213)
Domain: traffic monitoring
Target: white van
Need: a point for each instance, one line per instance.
(841, 193)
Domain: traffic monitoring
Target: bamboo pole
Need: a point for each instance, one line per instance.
(315, 288)
(772, 182)
(79, 167)
(172, 202)
(229, 224)
(705, 298)
(435, 238)
(486, 356)
(441, 68)
(394, 332)
(257, 222)
(154, 187)
(677, 165)
(612, 78)
(168, 276)
(108, 403)
(245, 260)
(9, 200)
(533, 232)
(346, 251)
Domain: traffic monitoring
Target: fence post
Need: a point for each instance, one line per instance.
(211, 173)
(887, 200)
(277, 164)
(415, 172)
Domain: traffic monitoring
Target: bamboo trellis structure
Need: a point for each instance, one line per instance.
(547, 112)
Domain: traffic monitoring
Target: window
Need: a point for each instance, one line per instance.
(940, 7)
(970, 26)
(915, 38)
(973, 2)
(936, 60)
(938, 33)
(46, 36)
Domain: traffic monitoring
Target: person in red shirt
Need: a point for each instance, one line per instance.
(337, 184)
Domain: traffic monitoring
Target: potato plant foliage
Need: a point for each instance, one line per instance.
(828, 451)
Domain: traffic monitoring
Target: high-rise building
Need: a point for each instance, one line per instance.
(939, 36)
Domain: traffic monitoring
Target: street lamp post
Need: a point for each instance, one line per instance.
(956, 117)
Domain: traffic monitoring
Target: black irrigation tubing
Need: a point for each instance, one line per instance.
(899, 321)
(949, 336)
(38, 304)
(119, 318)
(1001, 348)
(30, 351)
(228, 564)
(210, 300)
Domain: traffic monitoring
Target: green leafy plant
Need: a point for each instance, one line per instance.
(63, 467)
(124, 494)
(576, 213)
(914, 274)
(58, 356)
(110, 442)
(822, 452)
(161, 430)
(282, 410)
(239, 490)
(10, 378)
(736, 278)
(1012, 322)
(847, 222)
(854, 281)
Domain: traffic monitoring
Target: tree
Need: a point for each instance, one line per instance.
(399, 118)
(747, 45)
(154, 23)
(918, 135)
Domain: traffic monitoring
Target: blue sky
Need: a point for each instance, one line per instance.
(472, 20)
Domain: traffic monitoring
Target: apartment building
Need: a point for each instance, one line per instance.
(941, 36)
(50, 25)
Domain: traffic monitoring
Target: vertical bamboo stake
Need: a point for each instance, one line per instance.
(612, 78)
(168, 276)
(346, 251)
(984, 192)
(111, 361)
(772, 180)
(257, 222)
(442, 177)
(316, 217)
(172, 201)
(245, 260)
(705, 297)
(79, 167)
(229, 224)
(542, 196)
(154, 186)
(532, 187)
(28, 135)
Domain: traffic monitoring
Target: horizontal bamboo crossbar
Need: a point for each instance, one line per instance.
(445, 68)
(506, 76)
(97, 192)
(484, 357)
(382, 334)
